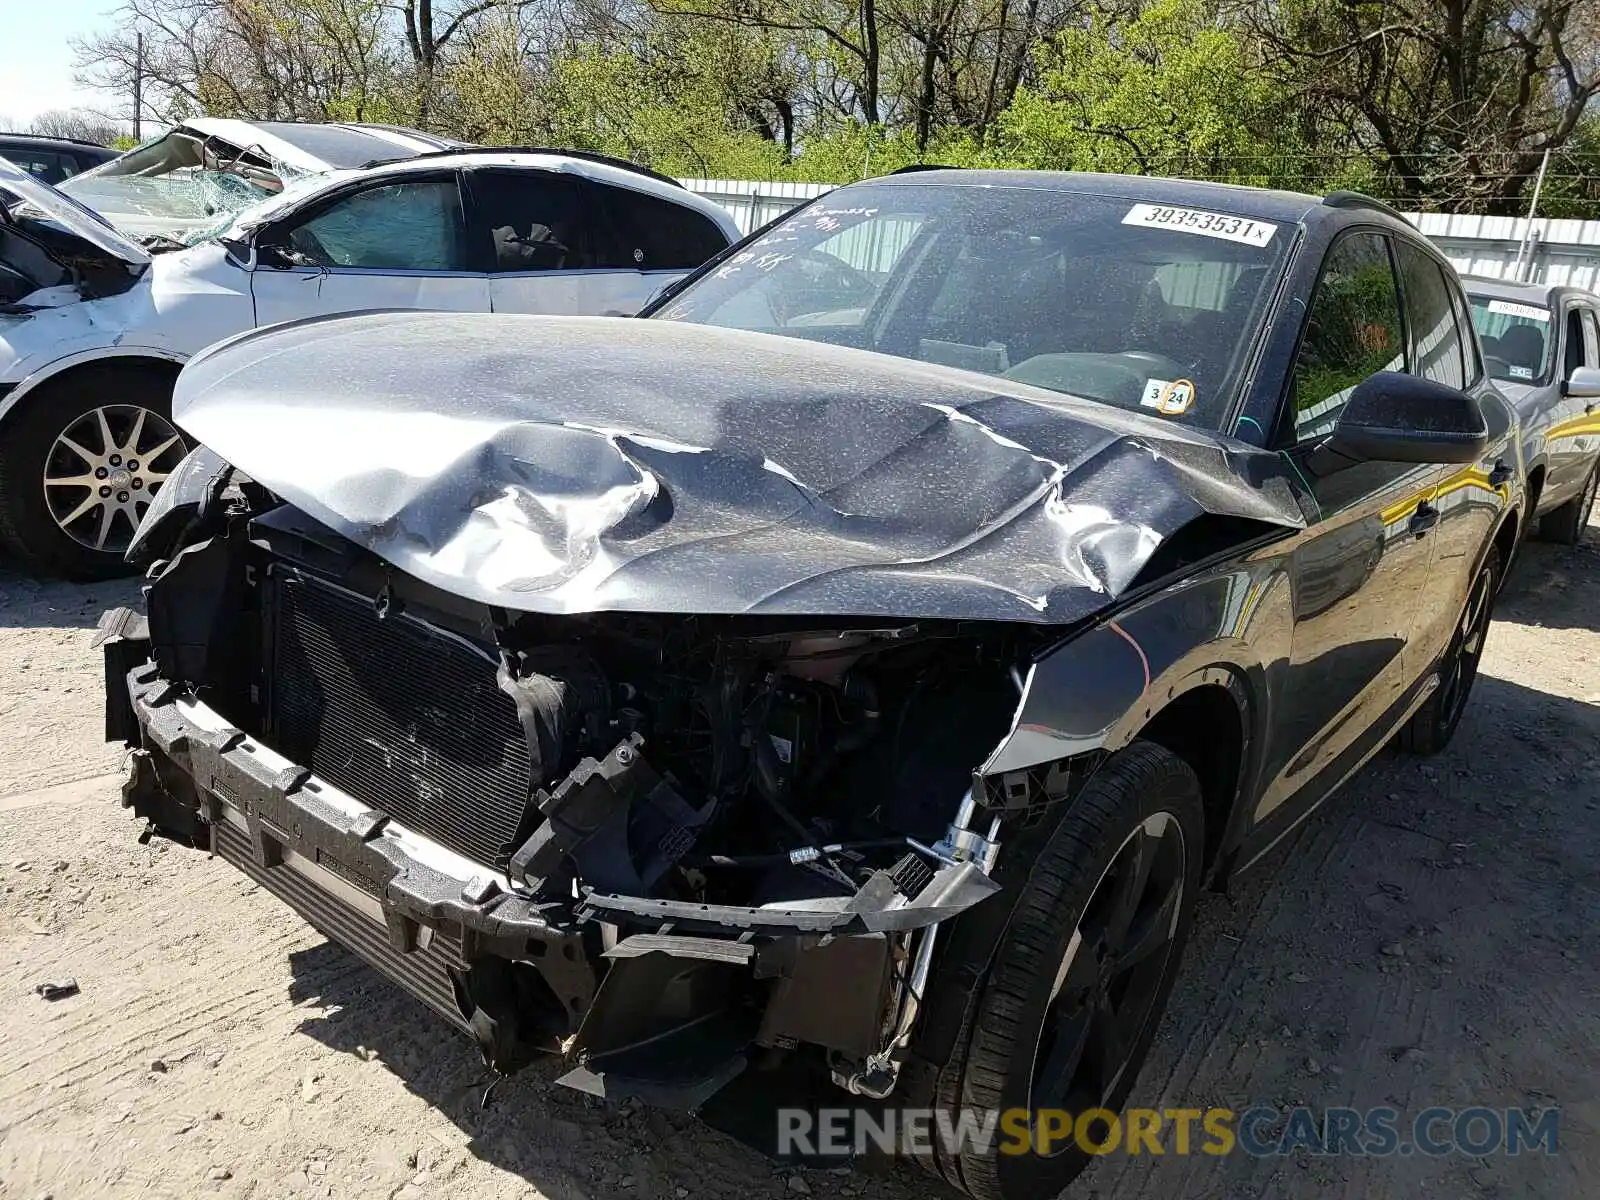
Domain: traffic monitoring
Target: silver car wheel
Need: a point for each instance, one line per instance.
(104, 469)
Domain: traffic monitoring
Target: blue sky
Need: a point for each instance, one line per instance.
(35, 59)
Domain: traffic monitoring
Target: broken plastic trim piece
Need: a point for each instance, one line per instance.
(881, 1072)
(877, 907)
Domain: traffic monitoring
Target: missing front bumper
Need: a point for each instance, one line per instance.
(658, 999)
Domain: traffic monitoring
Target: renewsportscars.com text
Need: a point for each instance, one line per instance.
(1260, 1131)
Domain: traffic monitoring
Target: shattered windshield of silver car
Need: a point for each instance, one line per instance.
(188, 194)
(235, 222)
(179, 181)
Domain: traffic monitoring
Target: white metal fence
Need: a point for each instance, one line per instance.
(753, 203)
(1565, 252)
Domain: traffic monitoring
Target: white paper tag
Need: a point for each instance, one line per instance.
(1520, 372)
(1207, 224)
(1169, 397)
(1510, 308)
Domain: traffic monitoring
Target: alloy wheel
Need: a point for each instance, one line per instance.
(104, 469)
(1110, 977)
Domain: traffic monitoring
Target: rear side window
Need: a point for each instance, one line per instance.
(1352, 331)
(652, 234)
(42, 164)
(534, 220)
(392, 227)
(1471, 359)
(1435, 337)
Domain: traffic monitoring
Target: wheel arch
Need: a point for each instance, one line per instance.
(145, 360)
(1536, 474)
(1190, 669)
(1209, 726)
(1506, 540)
(1148, 675)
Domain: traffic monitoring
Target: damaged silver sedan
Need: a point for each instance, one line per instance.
(843, 681)
(207, 169)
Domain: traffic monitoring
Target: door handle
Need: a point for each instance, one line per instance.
(1501, 474)
(1424, 519)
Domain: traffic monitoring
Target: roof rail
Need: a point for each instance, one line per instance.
(593, 156)
(1345, 199)
(913, 168)
(52, 137)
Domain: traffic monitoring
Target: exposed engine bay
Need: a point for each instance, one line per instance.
(740, 765)
(606, 827)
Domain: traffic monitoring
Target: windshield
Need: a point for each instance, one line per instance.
(1141, 306)
(1517, 339)
(234, 224)
(178, 182)
(185, 196)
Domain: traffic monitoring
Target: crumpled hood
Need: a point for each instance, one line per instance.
(72, 217)
(579, 464)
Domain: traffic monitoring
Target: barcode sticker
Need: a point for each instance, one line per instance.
(1510, 308)
(1206, 224)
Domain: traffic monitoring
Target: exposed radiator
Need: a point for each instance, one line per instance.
(403, 716)
(423, 972)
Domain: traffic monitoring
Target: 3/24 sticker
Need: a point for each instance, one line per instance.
(1169, 397)
(1206, 224)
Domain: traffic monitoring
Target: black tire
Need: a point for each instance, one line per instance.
(1006, 1028)
(1433, 725)
(31, 451)
(1565, 525)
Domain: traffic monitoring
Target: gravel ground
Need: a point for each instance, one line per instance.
(1425, 939)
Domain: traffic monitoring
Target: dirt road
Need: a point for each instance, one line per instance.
(1426, 939)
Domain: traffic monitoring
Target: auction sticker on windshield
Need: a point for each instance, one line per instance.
(1207, 224)
(1169, 397)
(1510, 308)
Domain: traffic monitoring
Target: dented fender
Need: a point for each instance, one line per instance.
(1224, 629)
(184, 301)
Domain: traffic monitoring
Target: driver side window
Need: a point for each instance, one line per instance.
(392, 227)
(1352, 331)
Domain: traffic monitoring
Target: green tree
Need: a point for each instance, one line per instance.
(1172, 90)
(1453, 102)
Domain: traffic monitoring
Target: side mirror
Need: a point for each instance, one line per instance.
(1392, 417)
(238, 249)
(1582, 384)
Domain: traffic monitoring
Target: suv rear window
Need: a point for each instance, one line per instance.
(652, 234)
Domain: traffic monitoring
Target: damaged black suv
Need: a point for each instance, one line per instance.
(842, 681)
